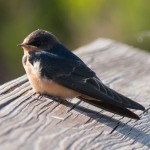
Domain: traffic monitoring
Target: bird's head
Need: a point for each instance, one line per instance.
(39, 40)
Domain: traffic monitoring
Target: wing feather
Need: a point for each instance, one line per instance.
(74, 74)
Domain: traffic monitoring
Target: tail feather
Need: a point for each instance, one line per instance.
(112, 108)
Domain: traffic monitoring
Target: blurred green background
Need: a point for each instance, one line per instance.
(75, 23)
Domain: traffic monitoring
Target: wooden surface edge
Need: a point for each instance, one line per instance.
(30, 121)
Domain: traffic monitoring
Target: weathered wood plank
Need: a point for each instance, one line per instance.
(31, 122)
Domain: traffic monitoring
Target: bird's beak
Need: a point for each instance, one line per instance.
(27, 47)
(22, 45)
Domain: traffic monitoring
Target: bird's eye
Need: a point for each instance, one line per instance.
(35, 43)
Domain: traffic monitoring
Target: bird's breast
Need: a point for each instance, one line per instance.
(43, 85)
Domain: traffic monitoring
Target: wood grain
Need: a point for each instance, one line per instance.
(31, 121)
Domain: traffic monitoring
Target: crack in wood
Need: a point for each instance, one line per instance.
(114, 128)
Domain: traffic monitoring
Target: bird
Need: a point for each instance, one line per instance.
(54, 70)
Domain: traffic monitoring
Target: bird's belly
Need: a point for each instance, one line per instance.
(52, 88)
(45, 86)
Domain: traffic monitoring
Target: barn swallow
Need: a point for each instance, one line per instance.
(54, 70)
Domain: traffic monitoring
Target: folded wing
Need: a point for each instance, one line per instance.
(75, 75)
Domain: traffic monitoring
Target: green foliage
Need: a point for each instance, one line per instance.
(74, 22)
